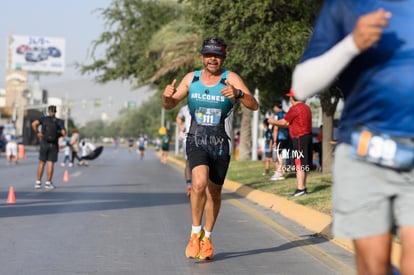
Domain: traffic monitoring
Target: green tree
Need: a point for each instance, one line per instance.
(265, 39)
(94, 128)
(176, 46)
(113, 129)
(146, 42)
(155, 42)
(130, 25)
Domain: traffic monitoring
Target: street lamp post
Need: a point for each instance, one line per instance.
(255, 127)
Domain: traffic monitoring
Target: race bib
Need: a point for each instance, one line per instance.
(382, 150)
(207, 116)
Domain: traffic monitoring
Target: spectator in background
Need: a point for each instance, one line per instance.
(52, 129)
(11, 149)
(299, 121)
(74, 144)
(65, 145)
(268, 146)
(2, 144)
(86, 148)
(281, 143)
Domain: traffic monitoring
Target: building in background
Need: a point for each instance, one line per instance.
(2, 99)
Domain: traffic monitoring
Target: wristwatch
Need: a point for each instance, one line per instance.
(240, 94)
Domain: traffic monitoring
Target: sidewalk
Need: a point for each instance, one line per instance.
(313, 220)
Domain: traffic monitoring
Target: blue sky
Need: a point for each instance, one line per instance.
(77, 21)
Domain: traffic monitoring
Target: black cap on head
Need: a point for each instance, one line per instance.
(214, 45)
(52, 108)
(278, 103)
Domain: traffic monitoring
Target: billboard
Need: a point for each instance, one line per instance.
(37, 54)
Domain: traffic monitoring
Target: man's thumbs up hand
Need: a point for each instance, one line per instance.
(229, 91)
(170, 89)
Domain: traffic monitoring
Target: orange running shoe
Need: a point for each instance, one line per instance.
(188, 190)
(206, 249)
(193, 247)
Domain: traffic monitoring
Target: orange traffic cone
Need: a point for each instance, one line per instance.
(21, 151)
(66, 176)
(11, 198)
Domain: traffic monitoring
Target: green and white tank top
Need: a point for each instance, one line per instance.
(211, 112)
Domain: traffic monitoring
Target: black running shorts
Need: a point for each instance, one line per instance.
(48, 151)
(302, 149)
(216, 157)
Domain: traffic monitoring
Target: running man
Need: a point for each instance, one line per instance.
(141, 145)
(368, 46)
(212, 93)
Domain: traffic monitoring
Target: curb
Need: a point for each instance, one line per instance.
(311, 219)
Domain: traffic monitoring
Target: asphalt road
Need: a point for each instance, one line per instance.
(123, 215)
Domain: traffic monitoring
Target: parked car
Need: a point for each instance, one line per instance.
(36, 54)
(54, 52)
(22, 49)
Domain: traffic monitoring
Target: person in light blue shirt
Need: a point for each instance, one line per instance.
(67, 152)
(281, 141)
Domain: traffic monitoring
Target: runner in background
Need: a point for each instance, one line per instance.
(183, 120)
(141, 145)
(165, 144)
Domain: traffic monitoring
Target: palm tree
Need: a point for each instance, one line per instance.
(176, 47)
